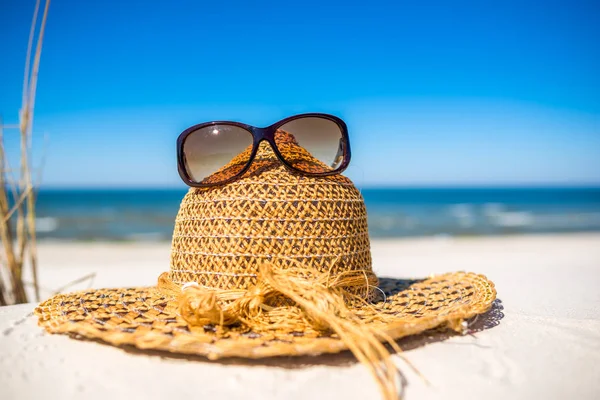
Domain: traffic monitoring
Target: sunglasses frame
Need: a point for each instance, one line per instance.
(258, 135)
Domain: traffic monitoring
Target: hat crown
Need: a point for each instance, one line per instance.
(224, 233)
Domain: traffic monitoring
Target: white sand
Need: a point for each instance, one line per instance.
(546, 345)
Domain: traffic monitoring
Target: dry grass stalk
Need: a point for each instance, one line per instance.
(17, 195)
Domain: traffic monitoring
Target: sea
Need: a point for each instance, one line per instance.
(149, 214)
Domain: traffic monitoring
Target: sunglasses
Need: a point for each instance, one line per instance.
(215, 153)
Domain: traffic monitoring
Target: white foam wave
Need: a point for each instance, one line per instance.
(512, 219)
(464, 213)
(146, 237)
(46, 224)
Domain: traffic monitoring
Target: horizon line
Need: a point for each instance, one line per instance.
(359, 186)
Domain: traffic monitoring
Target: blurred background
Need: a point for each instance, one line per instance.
(465, 117)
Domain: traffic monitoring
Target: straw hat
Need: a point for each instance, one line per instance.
(272, 264)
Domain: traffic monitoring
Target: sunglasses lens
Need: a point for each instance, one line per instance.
(311, 144)
(216, 153)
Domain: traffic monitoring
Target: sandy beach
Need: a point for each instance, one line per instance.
(542, 339)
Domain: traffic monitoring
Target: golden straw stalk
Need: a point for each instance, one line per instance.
(17, 196)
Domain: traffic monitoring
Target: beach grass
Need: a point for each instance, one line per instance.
(17, 189)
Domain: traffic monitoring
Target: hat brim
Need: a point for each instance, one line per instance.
(147, 319)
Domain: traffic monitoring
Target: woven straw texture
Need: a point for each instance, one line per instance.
(312, 228)
(222, 235)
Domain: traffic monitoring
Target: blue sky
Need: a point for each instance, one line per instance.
(434, 93)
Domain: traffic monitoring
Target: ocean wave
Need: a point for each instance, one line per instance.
(512, 219)
(393, 222)
(491, 209)
(46, 224)
(465, 214)
(148, 237)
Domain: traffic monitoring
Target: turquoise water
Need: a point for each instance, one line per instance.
(149, 214)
